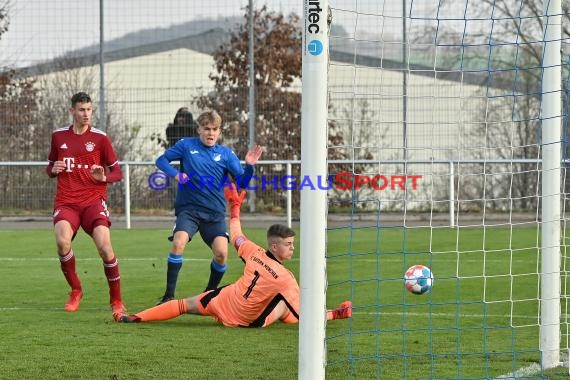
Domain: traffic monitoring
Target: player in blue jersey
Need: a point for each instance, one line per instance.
(200, 205)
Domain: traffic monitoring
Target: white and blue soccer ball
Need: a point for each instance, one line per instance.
(418, 279)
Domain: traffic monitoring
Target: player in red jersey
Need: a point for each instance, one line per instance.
(265, 293)
(83, 160)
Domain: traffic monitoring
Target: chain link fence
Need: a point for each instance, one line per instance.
(143, 60)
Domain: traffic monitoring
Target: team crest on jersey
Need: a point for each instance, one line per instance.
(90, 146)
(240, 240)
(217, 157)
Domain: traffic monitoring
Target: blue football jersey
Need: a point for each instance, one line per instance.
(208, 169)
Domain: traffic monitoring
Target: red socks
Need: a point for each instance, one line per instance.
(111, 268)
(67, 264)
(113, 279)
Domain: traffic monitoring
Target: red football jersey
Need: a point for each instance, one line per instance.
(75, 184)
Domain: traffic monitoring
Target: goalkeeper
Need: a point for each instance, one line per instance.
(266, 291)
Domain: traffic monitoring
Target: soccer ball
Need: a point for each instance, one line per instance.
(418, 279)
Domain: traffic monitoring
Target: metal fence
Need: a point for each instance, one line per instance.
(446, 188)
(143, 60)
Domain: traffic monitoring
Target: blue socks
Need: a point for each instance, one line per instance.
(174, 265)
(216, 273)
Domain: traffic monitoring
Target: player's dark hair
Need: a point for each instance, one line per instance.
(279, 230)
(80, 97)
(183, 117)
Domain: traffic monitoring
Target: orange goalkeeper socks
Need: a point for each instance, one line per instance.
(162, 312)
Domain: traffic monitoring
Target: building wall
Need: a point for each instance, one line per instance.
(440, 120)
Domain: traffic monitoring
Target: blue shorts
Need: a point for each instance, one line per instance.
(209, 225)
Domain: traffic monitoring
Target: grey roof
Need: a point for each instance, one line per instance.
(206, 36)
(206, 42)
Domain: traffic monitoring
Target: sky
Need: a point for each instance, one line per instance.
(43, 29)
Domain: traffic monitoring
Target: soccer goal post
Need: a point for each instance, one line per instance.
(313, 213)
(417, 112)
(551, 118)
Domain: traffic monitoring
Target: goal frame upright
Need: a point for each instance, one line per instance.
(313, 214)
(551, 123)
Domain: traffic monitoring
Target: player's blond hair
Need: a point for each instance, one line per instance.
(210, 117)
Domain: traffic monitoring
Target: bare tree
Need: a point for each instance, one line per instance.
(499, 45)
(18, 125)
(4, 19)
(277, 57)
(18, 106)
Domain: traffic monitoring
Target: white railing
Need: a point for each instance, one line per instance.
(126, 166)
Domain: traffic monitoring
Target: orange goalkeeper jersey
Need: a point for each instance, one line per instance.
(251, 299)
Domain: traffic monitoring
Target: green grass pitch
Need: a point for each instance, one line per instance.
(479, 320)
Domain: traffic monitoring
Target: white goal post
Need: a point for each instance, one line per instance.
(551, 185)
(313, 214)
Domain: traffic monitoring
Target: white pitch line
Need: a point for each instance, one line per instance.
(531, 370)
(48, 309)
(524, 372)
(354, 313)
(336, 259)
(93, 259)
(470, 315)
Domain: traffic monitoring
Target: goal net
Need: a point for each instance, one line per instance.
(441, 126)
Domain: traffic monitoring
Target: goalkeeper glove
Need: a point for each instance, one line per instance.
(234, 199)
(343, 311)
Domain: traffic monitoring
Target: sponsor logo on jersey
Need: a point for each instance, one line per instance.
(63, 146)
(69, 163)
(194, 152)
